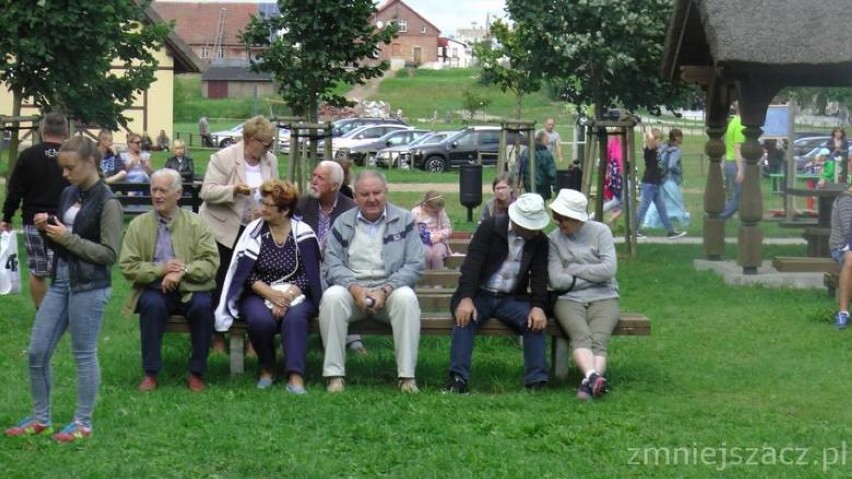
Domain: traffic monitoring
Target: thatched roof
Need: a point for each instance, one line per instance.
(797, 42)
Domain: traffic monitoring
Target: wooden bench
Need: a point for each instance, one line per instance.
(817, 238)
(804, 264)
(831, 281)
(431, 324)
(797, 224)
(135, 198)
(434, 291)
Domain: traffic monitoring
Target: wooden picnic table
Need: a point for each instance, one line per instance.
(825, 200)
(817, 236)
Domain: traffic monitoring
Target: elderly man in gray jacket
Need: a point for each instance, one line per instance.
(374, 257)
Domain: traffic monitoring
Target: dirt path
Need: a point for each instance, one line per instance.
(367, 90)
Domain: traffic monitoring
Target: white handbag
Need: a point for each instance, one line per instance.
(10, 273)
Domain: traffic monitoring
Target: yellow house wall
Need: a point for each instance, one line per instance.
(152, 110)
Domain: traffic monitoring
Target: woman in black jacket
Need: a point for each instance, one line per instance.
(84, 250)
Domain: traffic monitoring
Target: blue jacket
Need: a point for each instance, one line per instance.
(402, 250)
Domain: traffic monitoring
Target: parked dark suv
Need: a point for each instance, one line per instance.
(464, 147)
(339, 127)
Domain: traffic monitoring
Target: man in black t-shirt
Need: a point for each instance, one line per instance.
(35, 186)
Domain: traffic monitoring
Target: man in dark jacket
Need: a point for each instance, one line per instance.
(37, 182)
(545, 168)
(320, 207)
(504, 276)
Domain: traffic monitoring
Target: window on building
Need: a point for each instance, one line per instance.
(220, 53)
(423, 29)
(403, 26)
(205, 52)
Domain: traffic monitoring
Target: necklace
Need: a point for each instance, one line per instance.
(280, 233)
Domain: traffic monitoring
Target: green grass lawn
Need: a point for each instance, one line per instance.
(725, 367)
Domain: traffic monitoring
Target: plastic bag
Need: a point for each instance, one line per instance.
(10, 274)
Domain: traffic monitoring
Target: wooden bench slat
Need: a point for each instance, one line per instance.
(798, 264)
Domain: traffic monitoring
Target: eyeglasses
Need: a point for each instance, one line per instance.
(266, 144)
(137, 142)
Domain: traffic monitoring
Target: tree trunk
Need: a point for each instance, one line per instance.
(17, 99)
(520, 98)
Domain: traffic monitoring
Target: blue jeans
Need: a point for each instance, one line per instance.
(652, 193)
(82, 314)
(154, 309)
(511, 312)
(733, 190)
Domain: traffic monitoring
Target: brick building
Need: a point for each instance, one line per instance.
(197, 25)
(417, 40)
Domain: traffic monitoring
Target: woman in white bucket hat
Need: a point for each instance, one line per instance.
(581, 266)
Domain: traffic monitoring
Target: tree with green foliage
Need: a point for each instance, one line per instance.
(314, 45)
(474, 100)
(599, 52)
(61, 54)
(508, 64)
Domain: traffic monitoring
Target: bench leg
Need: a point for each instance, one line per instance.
(237, 351)
(559, 358)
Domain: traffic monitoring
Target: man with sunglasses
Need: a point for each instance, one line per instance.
(504, 276)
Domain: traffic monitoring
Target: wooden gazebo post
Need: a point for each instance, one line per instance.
(714, 193)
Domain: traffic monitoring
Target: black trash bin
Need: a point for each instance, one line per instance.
(470, 188)
(570, 178)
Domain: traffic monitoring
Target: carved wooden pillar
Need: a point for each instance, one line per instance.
(714, 193)
(755, 94)
(751, 201)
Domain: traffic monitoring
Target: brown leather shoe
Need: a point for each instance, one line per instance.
(407, 386)
(195, 383)
(149, 383)
(219, 346)
(335, 385)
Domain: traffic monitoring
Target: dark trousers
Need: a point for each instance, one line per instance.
(294, 329)
(154, 309)
(511, 312)
(225, 255)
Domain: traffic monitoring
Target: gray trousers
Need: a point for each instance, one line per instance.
(337, 310)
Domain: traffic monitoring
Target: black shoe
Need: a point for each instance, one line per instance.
(598, 385)
(536, 386)
(676, 234)
(456, 385)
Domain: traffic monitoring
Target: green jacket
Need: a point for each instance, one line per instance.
(192, 242)
(545, 172)
(828, 171)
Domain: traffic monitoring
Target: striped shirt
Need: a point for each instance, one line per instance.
(841, 219)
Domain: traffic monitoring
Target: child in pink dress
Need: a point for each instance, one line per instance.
(435, 229)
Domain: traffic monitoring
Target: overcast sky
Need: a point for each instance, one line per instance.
(449, 15)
